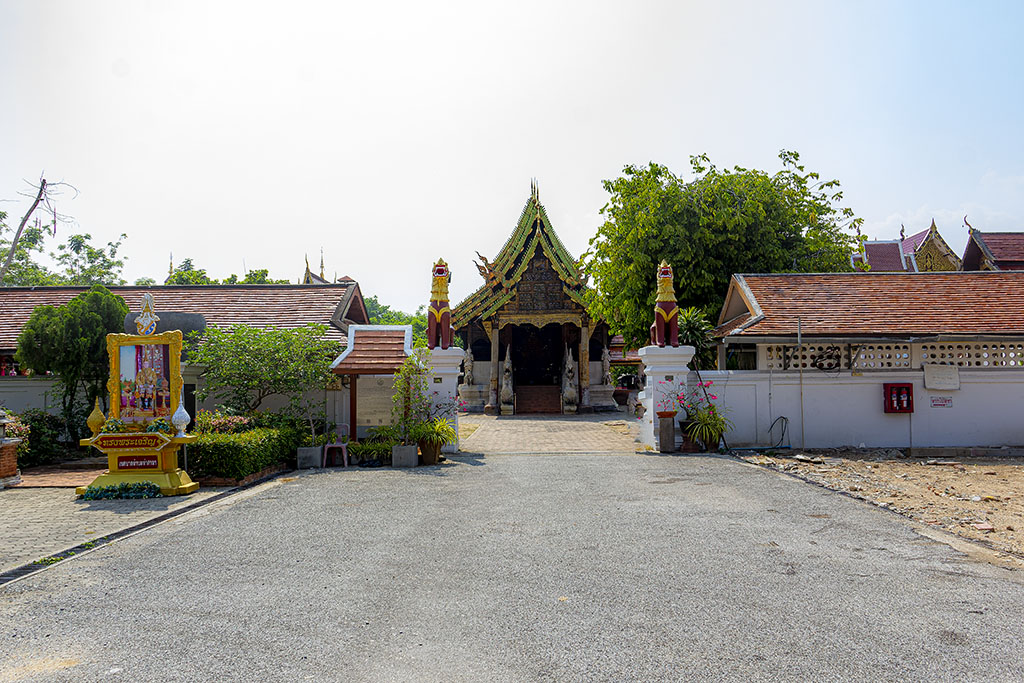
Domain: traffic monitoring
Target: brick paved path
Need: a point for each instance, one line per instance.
(551, 434)
(59, 477)
(37, 522)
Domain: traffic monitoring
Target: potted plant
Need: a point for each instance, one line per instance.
(431, 436)
(705, 423)
(410, 408)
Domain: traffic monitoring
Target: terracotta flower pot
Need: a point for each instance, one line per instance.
(667, 413)
(688, 445)
(429, 452)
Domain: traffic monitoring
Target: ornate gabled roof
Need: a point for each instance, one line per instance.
(533, 234)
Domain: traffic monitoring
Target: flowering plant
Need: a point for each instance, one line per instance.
(16, 429)
(668, 397)
(707, 421)
(698, 400)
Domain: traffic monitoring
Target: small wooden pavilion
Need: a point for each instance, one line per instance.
(371, 350)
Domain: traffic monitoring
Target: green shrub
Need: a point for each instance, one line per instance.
(369, 450)
(238, 455)
(142, 489)
(44, 438)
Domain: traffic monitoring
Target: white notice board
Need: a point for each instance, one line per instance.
(941, 376)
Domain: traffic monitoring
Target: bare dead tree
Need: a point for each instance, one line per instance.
(43, 195)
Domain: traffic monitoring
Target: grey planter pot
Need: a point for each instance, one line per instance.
(309, 457)
(404, 456)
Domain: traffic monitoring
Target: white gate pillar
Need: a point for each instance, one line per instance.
(445, 367)
(666, 368)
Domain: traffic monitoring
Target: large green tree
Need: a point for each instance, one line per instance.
(382, 314)
(719, 223)
(187, 274)
(78, 261)
(83, 264)
(243, 366)
(70, 341)
(254, 277)
(24, 270)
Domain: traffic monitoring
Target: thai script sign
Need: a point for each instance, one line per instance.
(137, 462)
(150, 441)
(942, 401)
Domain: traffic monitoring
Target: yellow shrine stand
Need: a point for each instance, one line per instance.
(145, 388)
(142, 456)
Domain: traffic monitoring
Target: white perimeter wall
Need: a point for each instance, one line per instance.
(847, 410)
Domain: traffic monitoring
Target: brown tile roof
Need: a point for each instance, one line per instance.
(1004, 246)
(910, 244)
(886, 257)
(888, 304)
(287, 306)
(618, 354)
(374, 350)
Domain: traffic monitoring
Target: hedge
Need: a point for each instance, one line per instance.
(235, 456)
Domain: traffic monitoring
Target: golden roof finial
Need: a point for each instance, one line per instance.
(321, 263)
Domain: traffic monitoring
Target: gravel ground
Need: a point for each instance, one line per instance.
(512, 568)
(978, 498)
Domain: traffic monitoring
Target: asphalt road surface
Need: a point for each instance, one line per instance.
(522, 568)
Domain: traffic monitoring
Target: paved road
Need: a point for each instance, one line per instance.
(35, 523)
(510, 568)
(551, 434)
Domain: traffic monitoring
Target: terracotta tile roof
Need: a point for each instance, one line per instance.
(374, 350)
(619, 354)
(886, 257)
(728, 327)
(910, 244)
(1004, 246)
(888, 304)
(284, 306)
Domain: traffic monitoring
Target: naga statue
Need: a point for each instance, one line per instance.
(606, 367)
(439, 315)
(569, 393)
(507, 395)
(665, 330)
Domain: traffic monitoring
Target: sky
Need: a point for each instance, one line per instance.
(389, 134)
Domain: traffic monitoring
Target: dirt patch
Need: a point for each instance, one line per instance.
(620, 426)
(981, 499)
(465, 430)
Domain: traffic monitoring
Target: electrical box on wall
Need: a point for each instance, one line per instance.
(899, 398)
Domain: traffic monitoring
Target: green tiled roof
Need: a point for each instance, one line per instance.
(532, 232)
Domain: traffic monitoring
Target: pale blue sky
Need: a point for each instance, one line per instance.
(393, 133)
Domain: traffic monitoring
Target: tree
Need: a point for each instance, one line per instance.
(23, 270)
(721, 222)
(70, 341)
(187, 274)
(382, 314)
(84, 264)
(145, 282)
(254, 277)
(243, 365)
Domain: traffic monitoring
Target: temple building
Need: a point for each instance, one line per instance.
(532, 347)
(994, 251)
(922, 252)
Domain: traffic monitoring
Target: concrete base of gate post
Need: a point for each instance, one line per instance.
(445, 367)
(666, 368)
